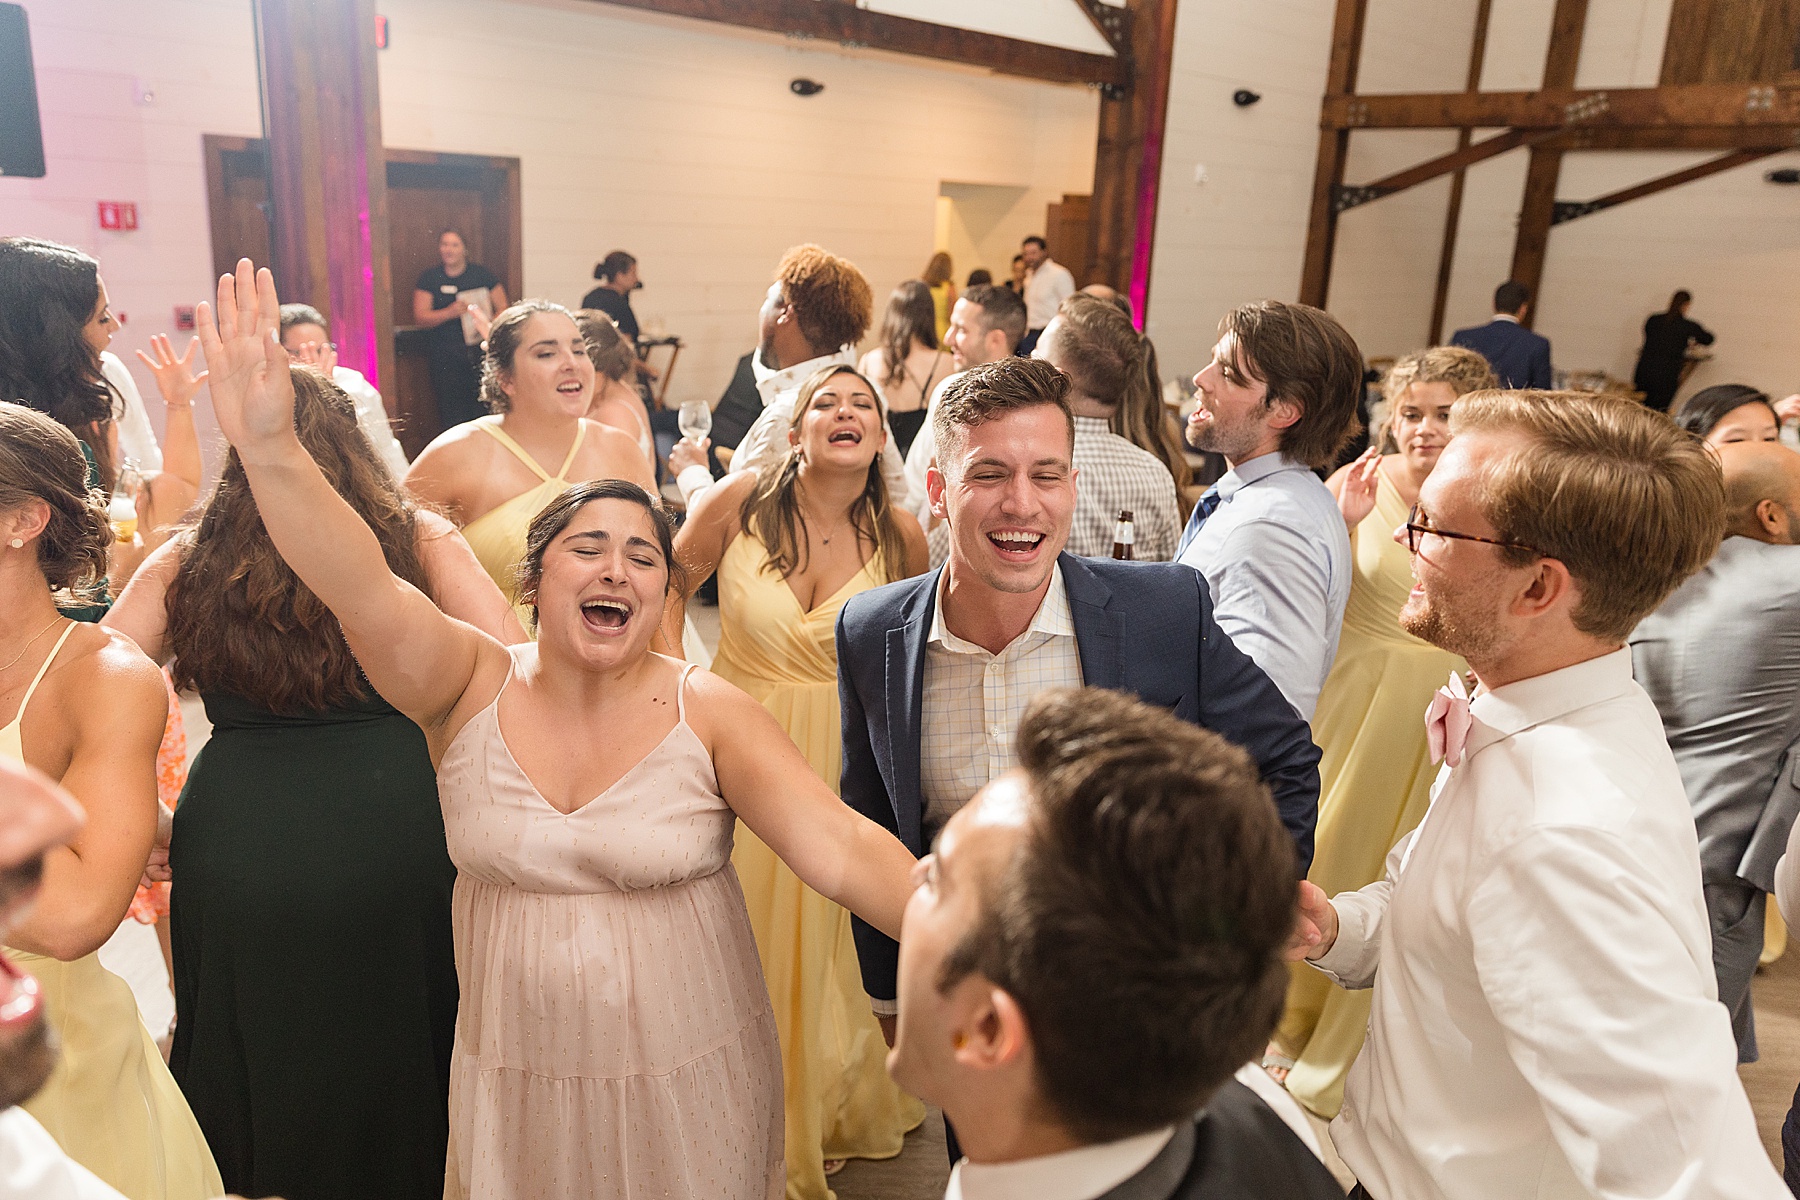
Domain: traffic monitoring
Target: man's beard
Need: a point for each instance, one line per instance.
(1453, 623)
(1234, 444)
(26, 1060)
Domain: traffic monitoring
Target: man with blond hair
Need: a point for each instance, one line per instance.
(1545, 1020)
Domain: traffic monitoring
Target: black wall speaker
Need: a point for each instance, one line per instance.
(21, 133)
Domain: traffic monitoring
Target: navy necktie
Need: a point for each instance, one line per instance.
(1209, 504)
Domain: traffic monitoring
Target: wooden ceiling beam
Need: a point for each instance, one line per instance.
(1683, 137)
(1571, 210)
(862, 29)
(1334, 149)
(1353, 195)
(1718, 104)
(1111, 22)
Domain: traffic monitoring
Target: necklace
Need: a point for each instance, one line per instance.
(34, 637)
(825, 539)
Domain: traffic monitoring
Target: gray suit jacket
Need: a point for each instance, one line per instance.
(1235, 1149)
(1721, 660)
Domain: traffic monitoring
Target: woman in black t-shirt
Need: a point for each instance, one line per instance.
(455, 379)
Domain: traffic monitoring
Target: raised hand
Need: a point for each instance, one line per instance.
(319, 355)
(252, 392)
(174, 379)
(1315, 925)
(1788, 408)
(1356, 495)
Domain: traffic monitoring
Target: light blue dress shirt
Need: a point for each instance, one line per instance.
(1276, 556)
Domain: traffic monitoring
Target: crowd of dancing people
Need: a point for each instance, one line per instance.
(1435, 791)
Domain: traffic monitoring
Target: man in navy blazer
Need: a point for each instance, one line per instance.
(1520, 357)
(934, 672)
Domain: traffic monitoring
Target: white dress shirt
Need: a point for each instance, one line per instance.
(1114, 474)
(137, 440)
(973, 700)
(372, 418)
(766, 441)
(1545, 1020)
(1276, 556)
(1045, 290)
(34, 1167)
(1078, 1174)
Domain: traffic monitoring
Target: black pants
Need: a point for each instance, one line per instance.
(1359, 1192)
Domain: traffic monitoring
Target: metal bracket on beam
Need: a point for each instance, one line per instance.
(1112, 22)
(1348, 196)
(1586, 108)
(1114, 91)
(1568, 210)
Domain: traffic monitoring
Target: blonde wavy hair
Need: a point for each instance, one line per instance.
(1464, 370)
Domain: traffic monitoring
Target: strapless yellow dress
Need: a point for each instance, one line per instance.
(838, 1098)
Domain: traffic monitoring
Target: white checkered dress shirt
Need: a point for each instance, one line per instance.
(1114, 475)
(973, 700)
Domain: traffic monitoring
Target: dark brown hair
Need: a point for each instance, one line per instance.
(607, 349)
(1108, 360)
(1708, 406)
(1140, 924)
(1627, 501)
(240, 620)
(555, 516)
(1001, 308)
(40, 459)
(910, 317)
(772, 512)
(990, 391)
(831, 299)
(503, 340)
(48, 294)
(938, 270)
(1301, 355)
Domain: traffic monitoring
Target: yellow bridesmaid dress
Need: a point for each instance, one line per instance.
(498, 536)
(111, 1103)
(1375, 775)
(839, 1100)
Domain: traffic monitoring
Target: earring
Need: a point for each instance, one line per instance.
(959, 1039)
(17, 543)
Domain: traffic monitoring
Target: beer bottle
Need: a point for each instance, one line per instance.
(1123, 535)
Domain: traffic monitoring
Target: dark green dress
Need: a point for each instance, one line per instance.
(315, 984)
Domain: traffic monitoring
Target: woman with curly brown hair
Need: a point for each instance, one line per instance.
(490, 475)
(309, 833)
(83, 705)
(1376, 772)
(790, 548)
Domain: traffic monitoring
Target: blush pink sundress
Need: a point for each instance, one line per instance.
(615, 1037)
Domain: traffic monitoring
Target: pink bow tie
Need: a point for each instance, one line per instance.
(1447, 721)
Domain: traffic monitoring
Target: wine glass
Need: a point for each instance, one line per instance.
(696, 420)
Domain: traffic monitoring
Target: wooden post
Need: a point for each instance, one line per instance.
(1538, 208)
(1440, 296)
(1128, 159)
(1334, 148)
(327, 175)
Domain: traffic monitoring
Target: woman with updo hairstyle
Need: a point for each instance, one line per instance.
(616, 402)
(85, 706)
(493, 475)
(790, 549)
(1376, 772)
(614, 1037)
(1730, 412)
(309, 839)
(907, 360)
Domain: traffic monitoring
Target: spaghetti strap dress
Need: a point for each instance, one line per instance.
(498, 536)
(840, 1102)
(110, 1103)
(615, 1040)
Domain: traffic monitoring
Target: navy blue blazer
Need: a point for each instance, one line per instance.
(1140, 627)
(1520, 357)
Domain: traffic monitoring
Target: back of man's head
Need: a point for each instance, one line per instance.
(1628, 502)
(1002, 309)
(1511, 297)
(1140, 924)
(991, 391)
(1759, 474)
(1097, 347)
(1302, 355)
(830, 297)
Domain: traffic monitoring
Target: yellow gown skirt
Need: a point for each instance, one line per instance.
(838, 1098)
(111, 1103)
(1375, 775)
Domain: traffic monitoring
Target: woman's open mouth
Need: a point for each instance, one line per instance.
(847, 437)
(607, 615)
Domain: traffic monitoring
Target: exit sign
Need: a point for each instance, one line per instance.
(118, 214)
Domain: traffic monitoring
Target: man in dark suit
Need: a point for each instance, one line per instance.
(1519, 357)
(935, 672)
(1092, 952)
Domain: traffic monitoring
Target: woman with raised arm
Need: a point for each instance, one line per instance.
(309, 833)
(83, 705)
(493, 475)
(1376, 772)
(615, 1036)
(790, 549)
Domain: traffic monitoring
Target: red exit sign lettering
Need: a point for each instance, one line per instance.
(118, 214)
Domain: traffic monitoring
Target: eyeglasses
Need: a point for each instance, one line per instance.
(1415, 531)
